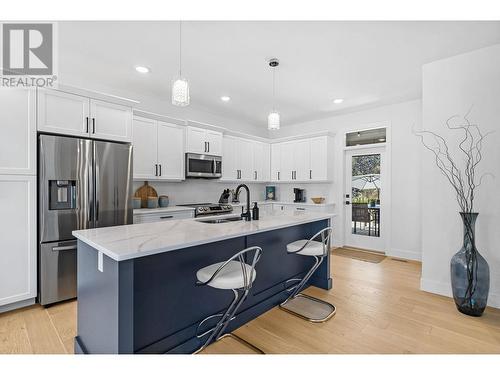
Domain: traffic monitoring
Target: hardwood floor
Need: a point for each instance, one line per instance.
(380, 309)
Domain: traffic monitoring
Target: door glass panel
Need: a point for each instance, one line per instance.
(366, 185)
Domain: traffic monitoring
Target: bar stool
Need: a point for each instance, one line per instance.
(233, 274)
(301, 305)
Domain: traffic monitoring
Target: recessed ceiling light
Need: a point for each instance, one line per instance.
(225, 98)
(338, 101)
(142, 69)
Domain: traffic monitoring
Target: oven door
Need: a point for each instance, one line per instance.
(203, 166)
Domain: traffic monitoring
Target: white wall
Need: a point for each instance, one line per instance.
(450, 87)
(405, 238)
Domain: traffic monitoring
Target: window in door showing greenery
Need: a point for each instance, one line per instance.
(366, 178)
(365, 196)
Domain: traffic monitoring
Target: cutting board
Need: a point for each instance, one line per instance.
(144, 192)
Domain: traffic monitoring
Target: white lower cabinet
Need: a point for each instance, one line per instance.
(17, 238)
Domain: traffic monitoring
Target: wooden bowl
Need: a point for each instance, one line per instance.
(318, 200)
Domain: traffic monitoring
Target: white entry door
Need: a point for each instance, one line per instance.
(365, 198)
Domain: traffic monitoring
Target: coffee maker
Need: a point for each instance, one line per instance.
(300, 195)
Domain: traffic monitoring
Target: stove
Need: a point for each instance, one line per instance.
(205, 209)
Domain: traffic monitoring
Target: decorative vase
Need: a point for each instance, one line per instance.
(470, 273)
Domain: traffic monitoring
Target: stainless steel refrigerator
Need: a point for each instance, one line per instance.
(82, 183)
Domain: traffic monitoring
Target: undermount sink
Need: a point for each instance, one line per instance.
(220, 221)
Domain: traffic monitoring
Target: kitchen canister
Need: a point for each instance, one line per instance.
(136, 202)
(152, 202)
(163, 200)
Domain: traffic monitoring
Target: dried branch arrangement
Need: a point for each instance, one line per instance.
(462, 176)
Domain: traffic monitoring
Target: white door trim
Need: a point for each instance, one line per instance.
(388, 162)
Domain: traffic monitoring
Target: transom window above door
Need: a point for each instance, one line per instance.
(365, 137)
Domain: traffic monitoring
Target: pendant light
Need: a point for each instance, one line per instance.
(273, 119)
(180, 87)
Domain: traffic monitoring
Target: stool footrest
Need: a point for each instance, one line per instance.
(309, 308)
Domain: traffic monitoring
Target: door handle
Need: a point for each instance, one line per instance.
(206, 147)
(208, 143)
(160, 168)
(64, 248)
(300, 209)
(255, 174)
(93, 125)
(87, 122)
(156, 169)
(166, 217)
(278, 176)
(347, 203)
(310, 174)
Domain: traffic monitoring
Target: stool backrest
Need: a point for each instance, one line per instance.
(240, 257)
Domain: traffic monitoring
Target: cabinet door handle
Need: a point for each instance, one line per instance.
(160, 168)
(87, 122)
(255, 175)
(93, 125)
(156, 169)
(278, 176)
(310, 174)
(166, 217)
(300, 209)
(208, 146)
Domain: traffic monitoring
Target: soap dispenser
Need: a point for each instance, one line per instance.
(255, 211)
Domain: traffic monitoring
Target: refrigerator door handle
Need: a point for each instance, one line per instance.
(63, 248)
(97, 192)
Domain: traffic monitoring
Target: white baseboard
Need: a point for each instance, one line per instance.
(444, 289)
(17, 305)
(404, 254)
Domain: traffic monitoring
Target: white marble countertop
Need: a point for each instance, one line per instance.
(137, 240)
(159, 210)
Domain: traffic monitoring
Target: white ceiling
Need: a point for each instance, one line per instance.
(366, 63)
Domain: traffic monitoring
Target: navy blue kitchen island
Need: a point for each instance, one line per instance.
(136, 283)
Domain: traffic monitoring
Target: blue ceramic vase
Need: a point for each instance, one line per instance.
(470, 273)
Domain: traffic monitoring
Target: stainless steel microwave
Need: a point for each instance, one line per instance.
(203, 166)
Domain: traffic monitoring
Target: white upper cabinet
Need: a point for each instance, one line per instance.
(17, 238)
(214, 140)
(203, 141)
(158, 150)
(276, 162)
(261, 161)
(170, 151)
(230, 168)
(64, 113)
(245, 159)
(321, 153)
(110, 121)
(304, 160)
(18, 140)
(70, 114)
(145, 153)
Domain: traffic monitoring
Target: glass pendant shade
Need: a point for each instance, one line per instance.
(180, 92)
(273, 121)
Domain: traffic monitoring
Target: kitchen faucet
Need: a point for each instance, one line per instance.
(247, 216)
